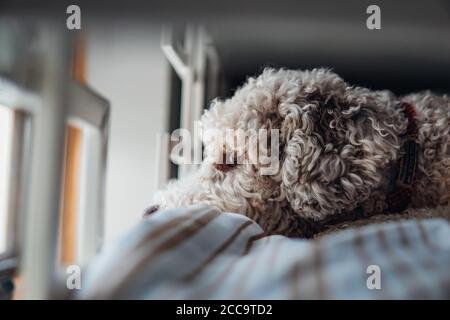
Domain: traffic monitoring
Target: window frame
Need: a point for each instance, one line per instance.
(90, 112)
(23, 104)
(84, 105)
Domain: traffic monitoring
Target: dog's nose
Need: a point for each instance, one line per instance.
(150, 210)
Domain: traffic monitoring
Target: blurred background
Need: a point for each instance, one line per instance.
(85, 114)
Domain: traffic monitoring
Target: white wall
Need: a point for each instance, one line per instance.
(126, 65)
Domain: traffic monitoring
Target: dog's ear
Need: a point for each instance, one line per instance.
(336, 142)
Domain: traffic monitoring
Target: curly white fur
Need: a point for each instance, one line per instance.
(336, 144)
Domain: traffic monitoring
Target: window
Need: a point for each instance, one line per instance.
(81, 214)
(30, 156)
(195, 81)
(81, 219)
(70, 195)
(6, 132)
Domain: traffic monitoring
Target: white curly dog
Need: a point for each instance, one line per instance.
(346, 154)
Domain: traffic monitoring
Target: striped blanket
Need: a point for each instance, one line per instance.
(199, 253)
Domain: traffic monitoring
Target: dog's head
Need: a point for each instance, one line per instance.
(324, 149)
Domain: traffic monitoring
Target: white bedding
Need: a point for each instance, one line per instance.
(199, 253)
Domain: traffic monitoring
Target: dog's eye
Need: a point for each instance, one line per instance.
(150, 210)
(224, 167)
